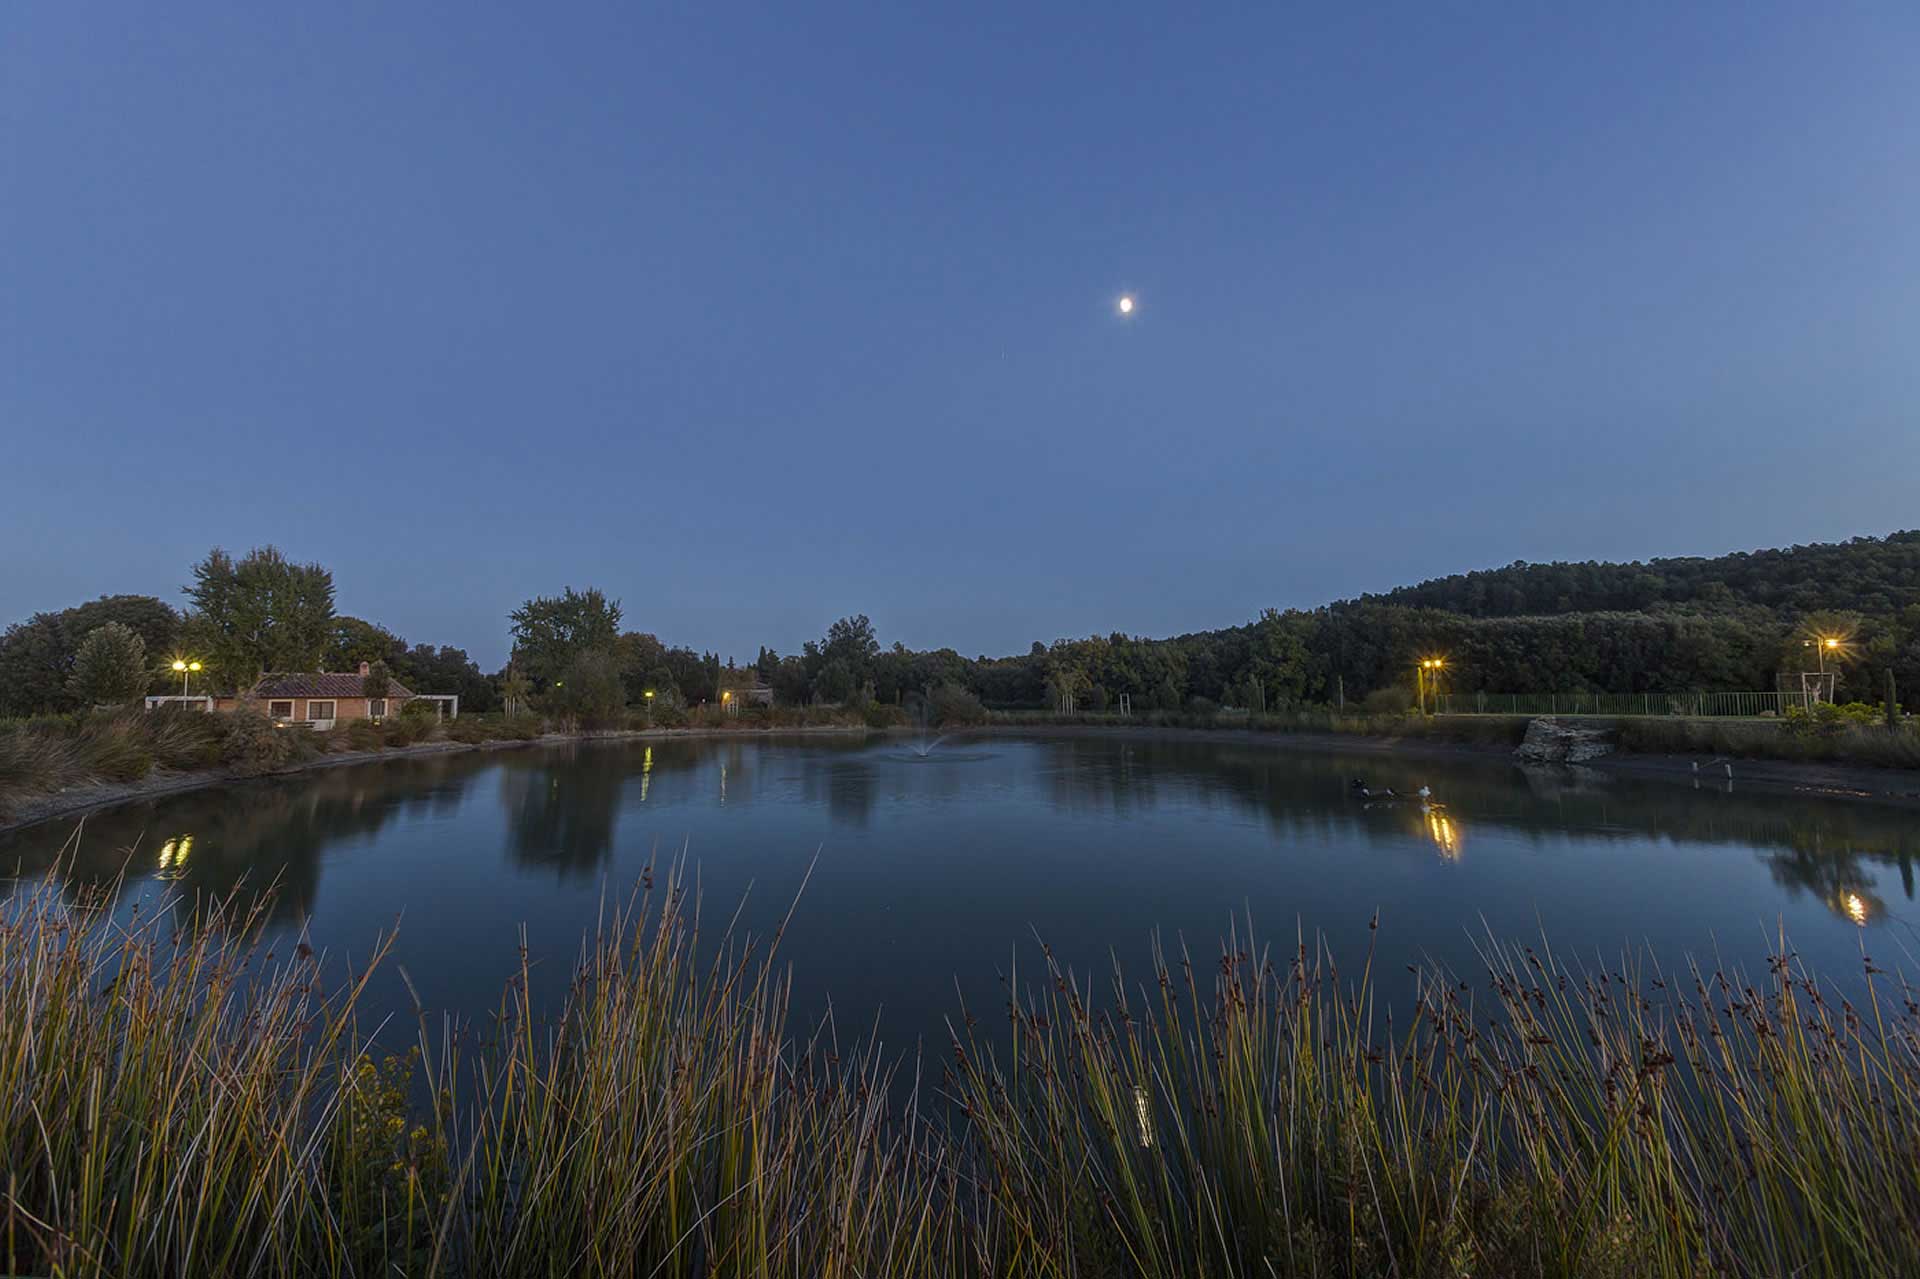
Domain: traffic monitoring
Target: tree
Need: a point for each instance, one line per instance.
(549, 634)
(835, 682)
(590, 691)
(260, 613)
(1280, 661)
(351, 641)
(37, 655)
(378, 679)
(515, 689)
(426, 669)
(851, 640)
(111, 667)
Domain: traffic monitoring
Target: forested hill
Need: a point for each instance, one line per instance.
(1867, 575)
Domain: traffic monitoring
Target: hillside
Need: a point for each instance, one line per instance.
(1876, 576)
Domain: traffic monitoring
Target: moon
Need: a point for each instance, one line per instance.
(1126, 304)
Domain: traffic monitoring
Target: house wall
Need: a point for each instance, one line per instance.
(345, 709)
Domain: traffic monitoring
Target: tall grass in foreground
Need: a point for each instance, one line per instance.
(175, 1100)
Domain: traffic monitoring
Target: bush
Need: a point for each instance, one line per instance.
(365, 735)
(182, 738)
(952, 704)
(408, 727)
(883, 715)
(1388, 701)
(115, 749)
(253, 744)
(1829, 720)
(32, 762)
(469, 731)
(475, 729)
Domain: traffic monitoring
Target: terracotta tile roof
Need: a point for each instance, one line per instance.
(322, 684)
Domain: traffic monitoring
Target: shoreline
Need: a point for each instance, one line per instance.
(1858, 782)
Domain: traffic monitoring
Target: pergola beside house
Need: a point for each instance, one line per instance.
(318, 699)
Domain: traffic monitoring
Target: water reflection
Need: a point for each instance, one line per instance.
(1813, 845)
(1444, 833)
(173, 857)
(566, 814)
(256, 833)
(1833, 876)
(562, 807)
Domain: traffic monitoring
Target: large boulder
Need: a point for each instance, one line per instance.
(1554, 741)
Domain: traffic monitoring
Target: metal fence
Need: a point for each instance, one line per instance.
(1692, 704)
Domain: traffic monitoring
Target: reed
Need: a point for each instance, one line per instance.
(175, 1099)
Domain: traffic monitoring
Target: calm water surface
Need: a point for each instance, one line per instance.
(933, 874)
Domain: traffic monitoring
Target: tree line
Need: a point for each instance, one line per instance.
(244, 617)
(1665, 626)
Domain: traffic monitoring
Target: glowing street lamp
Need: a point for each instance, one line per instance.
(1429, 668)
(186, 670)
(649, 696)
(1821, 646)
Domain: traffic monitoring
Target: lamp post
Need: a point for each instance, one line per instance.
(649, 708)
(1826, 642)
(1427, 664)
(186, 670)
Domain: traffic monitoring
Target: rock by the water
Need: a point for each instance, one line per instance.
(1550, 741)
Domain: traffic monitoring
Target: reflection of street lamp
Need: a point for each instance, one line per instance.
(186, 670)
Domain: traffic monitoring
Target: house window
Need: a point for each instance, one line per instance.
(377, 707)
(319, 710)
(279, 710)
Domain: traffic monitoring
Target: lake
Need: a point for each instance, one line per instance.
(934, 875)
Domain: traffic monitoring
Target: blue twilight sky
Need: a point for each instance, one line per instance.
(758, 315)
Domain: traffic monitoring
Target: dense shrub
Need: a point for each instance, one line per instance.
(408, 728)
(255, 744)
(181, 738)
(33, 762)
(1392, 700)
(475, 729)
(365, 735)
(951, 705)
(1829, 720)
(1848, 742)
(114, 749)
